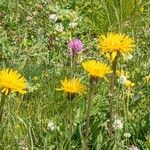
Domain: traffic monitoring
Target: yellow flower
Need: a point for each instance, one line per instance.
(11, 80)
(147, 78)
(96, 69)
(72, 86)
(142, 9)
(129, 84)
(115, 44)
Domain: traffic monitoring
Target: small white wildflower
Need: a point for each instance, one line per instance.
(59, 28)
(122, 79)
(127, 135)
(129, 57)
(80, 18)
(133, 148)
(73, 24)
(51, 126)
(117, 124)
(23, 145)
(35, 13)
(73, 12)
(29, 18)
(53, 17)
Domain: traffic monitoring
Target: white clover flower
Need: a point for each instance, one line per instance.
(59, 28)
(117, 124)
(53, 17)
(51, 126)
(122, 79)
(133, 148)
(23, 145)
(29, 18)
(127, 135)
(73, 24)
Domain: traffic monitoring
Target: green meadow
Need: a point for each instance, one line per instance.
(111, 114)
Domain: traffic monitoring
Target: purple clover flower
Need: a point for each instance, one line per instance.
(75, 46)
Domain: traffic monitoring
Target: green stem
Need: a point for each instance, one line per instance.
(112, 84)
(73, 65)
(90, 97)
(42, 113)
(128, 97)
(2, 107)
(51, 47)
(127, 116)
(70, 101)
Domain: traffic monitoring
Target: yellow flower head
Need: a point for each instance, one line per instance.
(142, 9)
(129, 84)
(96, 69)
(12, 81)
(147, 78)
(114, 44)
(73, 86)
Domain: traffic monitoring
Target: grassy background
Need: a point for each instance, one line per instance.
(30, 44)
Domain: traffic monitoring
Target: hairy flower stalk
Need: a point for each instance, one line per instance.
(10, 81)
(75, 48)
(90, 97)
(42, 113)
(70, 97)
(113, 45)
(96, 70)
(2, 106)
(71, 87)
(111, 94)
(73, 65)
(126, 119)
(51, 47)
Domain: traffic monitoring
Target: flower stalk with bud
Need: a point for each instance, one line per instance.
(113, 45)
(95, 70)
(10, 81)
(75, 48)
(71, 87)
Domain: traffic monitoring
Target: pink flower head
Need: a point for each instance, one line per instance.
(75, 46)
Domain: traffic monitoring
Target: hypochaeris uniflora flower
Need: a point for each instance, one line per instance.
(72, 86)
(96, 69)
(114, 44)
(12, 81)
